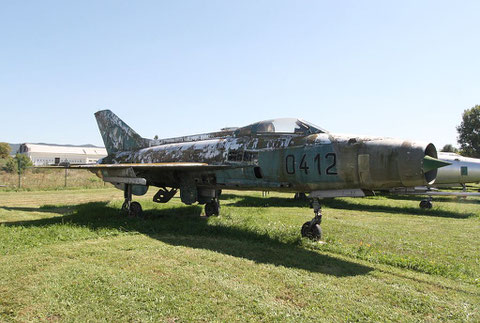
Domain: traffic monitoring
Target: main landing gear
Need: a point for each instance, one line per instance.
(133, 209)
(311, 229)
(212, 207)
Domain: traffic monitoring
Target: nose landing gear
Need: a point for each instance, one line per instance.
(311, 229)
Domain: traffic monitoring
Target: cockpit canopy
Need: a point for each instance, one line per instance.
(280, 126)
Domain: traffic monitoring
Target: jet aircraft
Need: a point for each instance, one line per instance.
(287, 155)
(462, 170)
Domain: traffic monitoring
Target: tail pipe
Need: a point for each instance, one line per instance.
(419, 164)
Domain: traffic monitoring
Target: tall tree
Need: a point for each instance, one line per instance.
(5, 150)
(469, 132)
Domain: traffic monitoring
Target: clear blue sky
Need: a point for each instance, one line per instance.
(402, 69)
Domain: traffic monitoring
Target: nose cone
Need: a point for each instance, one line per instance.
(430, 163)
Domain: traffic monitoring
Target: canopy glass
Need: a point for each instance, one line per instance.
(282, 125)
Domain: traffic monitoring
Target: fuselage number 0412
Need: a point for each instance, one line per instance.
(329, 158)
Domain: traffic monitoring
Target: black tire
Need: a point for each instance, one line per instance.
(305, 228)
(312, 232)
(424, 204)
(212, 208)
(125, 209)
(135, 210)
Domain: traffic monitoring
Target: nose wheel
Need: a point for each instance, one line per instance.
(311, 229)
(132, 209)
(426, 204)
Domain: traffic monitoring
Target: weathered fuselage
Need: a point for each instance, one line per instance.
(289, 155)
(288, 162)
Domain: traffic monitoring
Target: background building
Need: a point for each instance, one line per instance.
(53, 154)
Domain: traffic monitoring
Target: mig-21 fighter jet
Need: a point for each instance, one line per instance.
(287, 155)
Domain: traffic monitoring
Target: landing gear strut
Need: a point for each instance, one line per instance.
(427, 203)
(212, 207)
(164, 195)
(311, 229)
(133, 209)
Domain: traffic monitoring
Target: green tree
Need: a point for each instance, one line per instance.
(18, 164)
(448, 148)
(5, 150)
(10, 165)
(469, 132)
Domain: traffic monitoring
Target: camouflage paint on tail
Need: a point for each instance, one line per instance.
(117, 135)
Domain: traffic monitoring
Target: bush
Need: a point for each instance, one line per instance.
(11, 165)
(19, 162)
(5, 150)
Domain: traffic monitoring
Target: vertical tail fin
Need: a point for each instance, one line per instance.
(117, 135)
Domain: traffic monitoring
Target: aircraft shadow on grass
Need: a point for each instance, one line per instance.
(251, 201)
(407, 210)
(194, 231)
(468, 200)
(43, 209)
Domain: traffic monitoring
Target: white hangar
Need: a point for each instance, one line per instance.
(52, 154)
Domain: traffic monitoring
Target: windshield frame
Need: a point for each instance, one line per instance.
(269, 127)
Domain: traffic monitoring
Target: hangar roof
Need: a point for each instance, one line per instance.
(78, 150)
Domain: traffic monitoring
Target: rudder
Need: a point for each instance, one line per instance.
(117, 135)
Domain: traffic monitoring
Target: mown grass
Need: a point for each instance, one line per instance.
(70, 256)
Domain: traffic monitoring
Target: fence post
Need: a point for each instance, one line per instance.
(19, 174)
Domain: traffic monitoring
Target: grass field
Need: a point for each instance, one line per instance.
(70, 256)
(50, 179)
